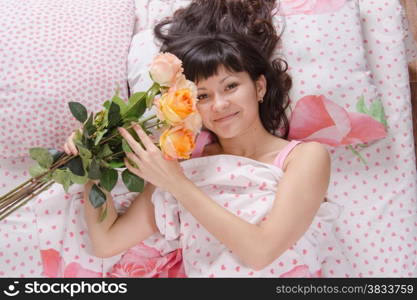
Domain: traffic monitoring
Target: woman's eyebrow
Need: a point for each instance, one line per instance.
(221, 81)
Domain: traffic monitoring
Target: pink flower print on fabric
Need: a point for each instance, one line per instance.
(316, 118)
(54, 266)
(144, 261)
(301, 271)
(309, 7)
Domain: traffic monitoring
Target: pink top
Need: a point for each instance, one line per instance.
(205, 138)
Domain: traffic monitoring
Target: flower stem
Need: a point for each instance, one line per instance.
(112, 136)
(22, 201)
(15, 189)
(147, 119)
(114, 154)
(157, 124)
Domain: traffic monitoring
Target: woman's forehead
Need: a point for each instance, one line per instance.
(222, 73)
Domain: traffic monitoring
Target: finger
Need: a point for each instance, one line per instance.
(136, 147)
(134, 158)
(132, 169)
(71, 144)
(144, 137)
(67, 151)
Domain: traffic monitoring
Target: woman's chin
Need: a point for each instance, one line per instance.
(226, 134)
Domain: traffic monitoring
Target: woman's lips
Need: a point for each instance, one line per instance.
(226, 118)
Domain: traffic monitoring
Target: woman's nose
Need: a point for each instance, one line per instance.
(220, 103)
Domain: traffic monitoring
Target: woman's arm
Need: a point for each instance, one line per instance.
(118, 233)
(300, 193)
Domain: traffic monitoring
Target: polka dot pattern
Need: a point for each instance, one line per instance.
(377, 231)
(360, 50)
(54, 52)
(247, 189)
(363, 53)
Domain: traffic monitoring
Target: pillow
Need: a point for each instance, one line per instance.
(409, 41)
(54, 52)
(144, 45)
(323, 47)
(334, 100)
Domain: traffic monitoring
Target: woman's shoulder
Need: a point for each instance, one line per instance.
(299, 150)
(309, 151)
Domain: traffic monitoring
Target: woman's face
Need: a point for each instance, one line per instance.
(228, 102)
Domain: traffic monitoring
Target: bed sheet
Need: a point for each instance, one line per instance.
(378, 229)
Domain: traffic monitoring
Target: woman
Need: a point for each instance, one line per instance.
(242, 102)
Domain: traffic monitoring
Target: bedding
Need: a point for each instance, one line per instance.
(352, 75)
(52, 52)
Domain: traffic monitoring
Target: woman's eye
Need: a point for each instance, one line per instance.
(232, 85)
(202, 97)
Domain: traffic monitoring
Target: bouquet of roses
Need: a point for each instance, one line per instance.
(102, 149)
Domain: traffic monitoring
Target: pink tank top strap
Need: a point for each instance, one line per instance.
(203, 139)
(282, 155)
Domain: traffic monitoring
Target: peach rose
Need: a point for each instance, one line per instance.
(183, 83)
(177, 143)
(175, 106)
(165, 69)
(193, 122)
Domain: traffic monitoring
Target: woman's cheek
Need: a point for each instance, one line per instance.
(204, 112)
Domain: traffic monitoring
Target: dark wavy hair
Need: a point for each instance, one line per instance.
(207, 46)
(248, 17)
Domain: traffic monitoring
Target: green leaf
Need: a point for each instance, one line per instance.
(378, 113)
(83, 151)
(89, 128)
(357, 154)
(103, 214)
(77, 136)
(149, 99)
(108, 178)
(79, 179)
(99, 136)
(100, 120)
(104, 151)
(94, 170)
(125, 146)
(122, 104)
(137, 106)
(135, 97)
(116, 164)
(36, 170)
(62, 177)
(76, 166)
(97, 197)
(107, 104)
(132, 182)
(130, 120)
(360, 106)
(78, 111)
(114, 116)
(42, 156)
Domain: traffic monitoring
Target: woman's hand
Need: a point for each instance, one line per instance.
(69, 146)
(150, 162)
